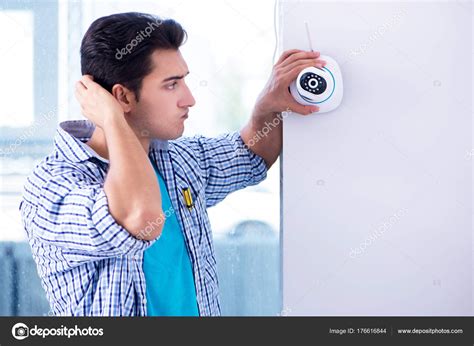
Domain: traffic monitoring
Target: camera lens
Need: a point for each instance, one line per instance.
(313, 83)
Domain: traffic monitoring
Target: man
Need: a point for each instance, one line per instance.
(116, 214)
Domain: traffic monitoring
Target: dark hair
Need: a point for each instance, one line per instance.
(118, 48)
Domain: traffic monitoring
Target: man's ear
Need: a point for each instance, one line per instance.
(125, 97)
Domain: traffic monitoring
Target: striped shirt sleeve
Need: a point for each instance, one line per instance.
(227, 165)
(73, 214)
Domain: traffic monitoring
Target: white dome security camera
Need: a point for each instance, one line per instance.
(319, 86)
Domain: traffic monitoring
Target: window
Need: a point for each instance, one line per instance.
(28, 65)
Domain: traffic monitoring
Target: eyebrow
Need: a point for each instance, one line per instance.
(175, 77)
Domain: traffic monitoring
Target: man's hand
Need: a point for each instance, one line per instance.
(275, 97)
(131, 187)
(97, 104)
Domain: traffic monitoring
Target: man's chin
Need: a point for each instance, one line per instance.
(177, 136)
(179, 133)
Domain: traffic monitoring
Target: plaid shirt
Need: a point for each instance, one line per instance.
(87, 262)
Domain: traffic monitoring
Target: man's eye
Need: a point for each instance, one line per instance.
(172, 86)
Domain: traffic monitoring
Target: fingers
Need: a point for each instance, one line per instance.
(286, 54)
(287, 68)
(87, 81)
(79, 90)
(301, 109)
(299, 56)
(80, 86)
(312, 62)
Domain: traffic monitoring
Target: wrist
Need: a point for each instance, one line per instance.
(113, 119)
(259, 117)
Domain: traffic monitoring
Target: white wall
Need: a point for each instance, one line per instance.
(377, 195)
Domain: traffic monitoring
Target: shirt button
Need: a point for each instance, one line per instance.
(144, 301)
(135, 258)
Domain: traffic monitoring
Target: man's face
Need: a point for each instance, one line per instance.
(164, 97)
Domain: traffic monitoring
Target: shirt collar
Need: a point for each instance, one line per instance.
(71, 136)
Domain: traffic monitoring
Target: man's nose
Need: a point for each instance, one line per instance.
(188, 99)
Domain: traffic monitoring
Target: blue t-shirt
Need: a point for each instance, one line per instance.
(169, 277)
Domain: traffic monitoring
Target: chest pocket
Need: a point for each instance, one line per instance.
(194, 216)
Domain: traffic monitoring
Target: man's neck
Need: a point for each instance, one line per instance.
(98, 143)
